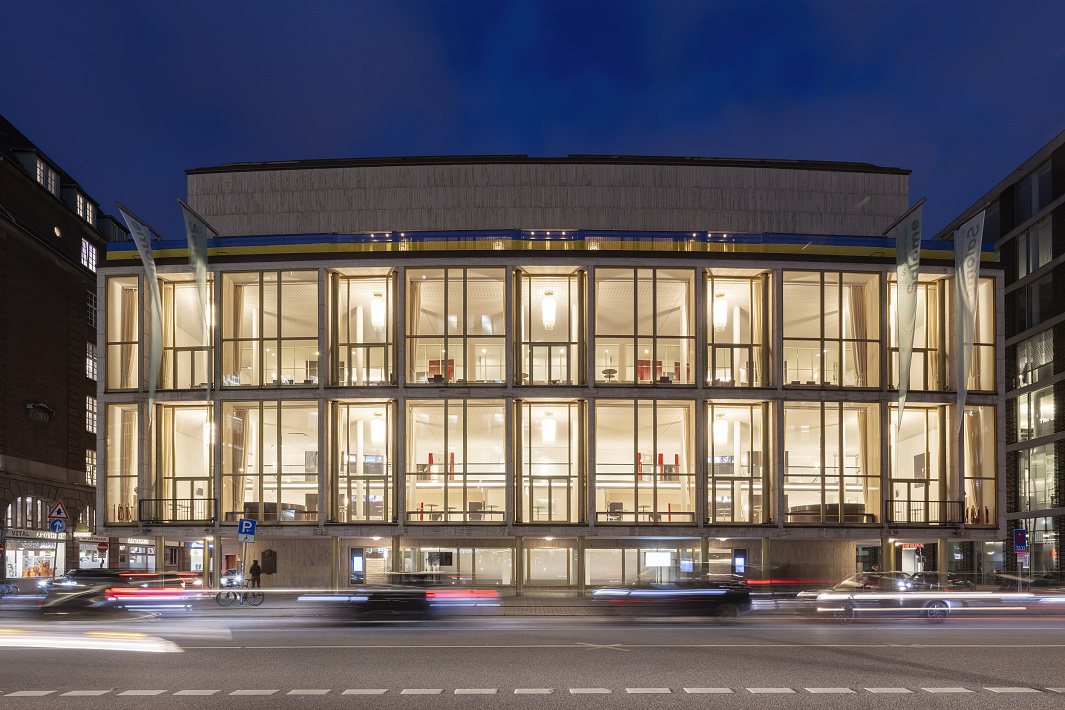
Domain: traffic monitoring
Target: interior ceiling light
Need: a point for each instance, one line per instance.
(377, 312)
(377, 430)
(548, 428)
(548, 308)
(720, 312)
(720, 430)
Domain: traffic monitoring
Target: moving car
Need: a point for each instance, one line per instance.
(930, 580)
(877, 595)
(725, 597)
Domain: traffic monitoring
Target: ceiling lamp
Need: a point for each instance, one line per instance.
(377, 430)
(548, 428)
(720, 430)
(720, 312)
(377, 312)
(548, 308)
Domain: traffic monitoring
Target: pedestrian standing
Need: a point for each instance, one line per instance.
(255, 571)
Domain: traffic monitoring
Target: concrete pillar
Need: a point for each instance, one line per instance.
(216, 561)
(334, 569)
(887, 555)
(581, 564)
(397, 555)
(767, 572)
(160, 553)
(519, 566)
(704, 553)
(941, 561)
(205, 570)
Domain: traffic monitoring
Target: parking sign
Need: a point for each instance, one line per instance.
(245, 530)
(1020, 541)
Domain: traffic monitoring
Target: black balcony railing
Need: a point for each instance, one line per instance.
(176, 510)
(922, 512)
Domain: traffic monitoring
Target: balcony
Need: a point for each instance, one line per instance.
(176, 510)
(925, 512)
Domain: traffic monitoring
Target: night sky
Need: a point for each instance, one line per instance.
(125, 96)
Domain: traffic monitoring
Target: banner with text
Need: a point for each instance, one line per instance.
(196, 231)
(907, 269)
(968, 241)
(142, 237)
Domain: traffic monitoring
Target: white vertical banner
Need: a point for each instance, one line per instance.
(196, 230)
(968, 242)
(142, 237)
(907, 269)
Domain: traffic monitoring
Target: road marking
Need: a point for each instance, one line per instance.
(197, 692)
(533, 691)
(307, 692)
(475, 691)
(770, 690)
(421, 691)
(585, 691)
(708, 690)
(1056, 690)
(365, 691)
(28, 693)
(142, 692)
(253, 692)
(648, 690)
(1013, 690)
(597, 646)
(829, 690)
(77, 693)
(947, 690)
(889, 690)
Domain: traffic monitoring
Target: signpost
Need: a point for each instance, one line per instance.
(245, 534)
(57, 523)
(1020, 540)
(101, 547)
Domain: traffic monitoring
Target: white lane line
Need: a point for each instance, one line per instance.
(533, 691)
(587, 691)
(475, 691)
(946, 690)
(647, 690)
(1056, 690)
(721, 691)
(197, 692)
(254, 692)
(1013, 690)
(142, 692)
(829, 690)
(307, 692)
(80, 693)
(770, 690)
(889, 690)
(421, 691)
(365, 691)
(28, 693)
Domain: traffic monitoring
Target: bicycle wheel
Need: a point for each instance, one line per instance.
(254, 598)
(225, 598)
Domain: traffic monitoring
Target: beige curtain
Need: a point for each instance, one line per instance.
(859, 331)
(414, 309)
(128, 361)
(241, 452)
(128, 472)
(237, 299)
(166, 367)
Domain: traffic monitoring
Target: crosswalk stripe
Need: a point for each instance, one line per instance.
(253, 692)
(576, 691)
(533, 691)
(889, 690)
(708, 690)
(365, 691)
(475, 691)
(829, 690)
(1013, 690)
(648, 690)
(28, 693)
(770, 690)
(947, 690)
(80, 693)
(197, 692)
(421, 691)
(307, 692)
(142, 692)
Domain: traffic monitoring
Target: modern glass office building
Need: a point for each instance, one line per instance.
(568, 405)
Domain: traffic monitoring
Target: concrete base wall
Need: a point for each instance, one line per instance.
(300, 563)
(828, 560)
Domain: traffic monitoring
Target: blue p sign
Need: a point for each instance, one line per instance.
(245, 530)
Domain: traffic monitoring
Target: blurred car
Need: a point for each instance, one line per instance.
(83, 593)
(879, 594)
(694, 595)
(73, 576)
(230, 578)
(411, 595)
(930, 580)
(191, 579)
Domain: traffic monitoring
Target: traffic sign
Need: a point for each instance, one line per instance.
(57, 525)
(245, 530)
(58, 511)
(101, 547)
(1020, 540)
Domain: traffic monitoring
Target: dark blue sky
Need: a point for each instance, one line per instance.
(125, 96)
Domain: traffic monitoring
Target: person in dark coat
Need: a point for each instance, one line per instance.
(255, 571)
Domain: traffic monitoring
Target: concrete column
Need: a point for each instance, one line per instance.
(767, 572)
(941, 561)
(205, 571)
(581, 564)
(397, 555)
(216, 561)
(887, 555)
(334, 570)
(160, 553)
(519, 566)
(704, 552)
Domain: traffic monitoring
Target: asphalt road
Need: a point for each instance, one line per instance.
(255, 658)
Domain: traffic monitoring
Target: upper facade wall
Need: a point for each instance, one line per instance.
(357, 199)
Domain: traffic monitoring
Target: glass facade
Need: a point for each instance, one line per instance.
(552, 452)
(738, 464)
(364, 479)
(364, 330)
(551, 322)
(123, 332)
(736, 331)
(186, 337)
(926, 363)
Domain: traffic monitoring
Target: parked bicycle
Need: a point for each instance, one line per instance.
(8, 590)
(242, 595)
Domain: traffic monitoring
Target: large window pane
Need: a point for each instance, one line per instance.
(123, 347)
(550, 329)
(550, 462)
(184, 472)
(737, 465)
(186, 337)
(123, 462)
(736, 319)
(364, 461)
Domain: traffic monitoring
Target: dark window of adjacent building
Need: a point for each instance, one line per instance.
(1032, 193)
(1034, 248)
(1035, 359)
(992, 223)
(1033, 304)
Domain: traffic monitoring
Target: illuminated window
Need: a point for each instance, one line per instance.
(90, 361)
(88, 255)
(90, 415)
(90, 467)
(364, 463)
